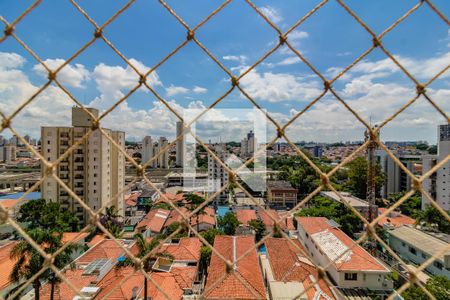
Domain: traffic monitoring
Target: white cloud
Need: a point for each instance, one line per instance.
(271, 13)
(284, 62)
(10, 60)
(176, 90)
(70, 75)
(276, 87)
(297, 35)
(239, 58)
(199, 90)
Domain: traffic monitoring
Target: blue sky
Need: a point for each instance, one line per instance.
(331, 39)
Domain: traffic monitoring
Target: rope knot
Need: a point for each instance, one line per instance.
(8, 30)
(49, 170)
(280, 132)
(326, 85)
(139, 171)
(324, 179)
(95, 125)
(190, 35)
(376, 42)
(283, 39)
(51, 75)
(234, 81)
(420, 88)
(6, 123)
(141, 79)
(98, 33)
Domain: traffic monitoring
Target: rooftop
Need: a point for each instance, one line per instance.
(279, 184)
(419, 239)
(225, 285)
(293, 266)
(333, 242)
(352, 200)
(6, 264)
(154, 220)
(395, 219)
(244, 216)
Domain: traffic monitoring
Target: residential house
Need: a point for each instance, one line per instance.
(153, 222)
(347, 263)
(280, 193)
(243, 280)
(290, 274)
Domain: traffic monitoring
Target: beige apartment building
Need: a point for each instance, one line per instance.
(95, 170)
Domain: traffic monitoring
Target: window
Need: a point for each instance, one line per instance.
(412, 250)
(438, 265)
(351, 276)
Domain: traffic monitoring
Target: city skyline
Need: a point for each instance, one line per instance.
(282, 84)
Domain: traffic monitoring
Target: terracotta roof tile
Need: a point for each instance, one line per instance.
(358, 259)
(286, 265)
(6, 264)
(247, 270)
(245, 215)
(395, 220)
(188, 249)
(73, 237)
(154, 220)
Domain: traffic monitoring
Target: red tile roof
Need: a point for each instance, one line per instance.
(104, 249)
(73, 237)
(245, 282)
(359, 259)
(188, 249)
(245, 215)
(154, 220)
(97, 238)
(6, 264)
(131, 199)
(286, 265)
(207, 217)
(396, 219)
(267, 216)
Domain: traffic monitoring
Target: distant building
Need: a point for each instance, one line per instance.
(217, 175)
(396, 179)
(349, 265)
(314, 150)
(95, 170)
(243, 280)
(8, 153)
(147, 150)
(360, 205)
(393, 219)
(281, 193)
(249, 144)
(438, 184)
(416, 246)
(163, 158)
(179, 161)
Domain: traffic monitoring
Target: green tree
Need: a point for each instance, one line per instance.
(358, 176)
(210, 235)
(259, 228)
(228, 223)
(324, 207)
(411, 206)
(42, 214)
(110, 220)
(29, 261)
(438, 286)
(431, 216)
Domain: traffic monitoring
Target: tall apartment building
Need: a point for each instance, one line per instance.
(396, 180)
(217, 175)
(163, 158)
(438, 184)
(249, 144)
(8, 153)
(147, 150)
(180, 146)
(95, 170)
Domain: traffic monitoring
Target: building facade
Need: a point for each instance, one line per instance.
(438, 184)
(396, 179)
(179, 161)
(95, 170)
(147, 150)
(281, 193)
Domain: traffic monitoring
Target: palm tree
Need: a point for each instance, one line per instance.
(145, 247)
(29, 261)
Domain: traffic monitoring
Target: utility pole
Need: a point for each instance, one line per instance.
(371, 186)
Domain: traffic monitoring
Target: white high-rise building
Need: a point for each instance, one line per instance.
(217, 175)
(95, 170)
(163, 158)
(438, 184)
(180, 146)
(8, 153)
(249, 144)
(396, 180)
(147, 150)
